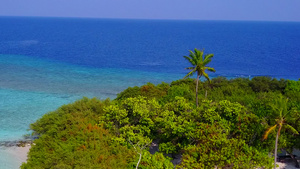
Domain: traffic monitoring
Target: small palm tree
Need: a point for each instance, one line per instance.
(199, 65)
(280, 106)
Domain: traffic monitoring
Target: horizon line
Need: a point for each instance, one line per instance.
(158, 19)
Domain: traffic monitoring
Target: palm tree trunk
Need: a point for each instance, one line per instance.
(276, 143)
(197, 82)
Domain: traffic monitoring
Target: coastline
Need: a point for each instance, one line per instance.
(13, 153)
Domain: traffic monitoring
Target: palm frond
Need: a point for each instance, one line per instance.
(280, 106)
(190, 68)
(206, 76)
(189, 59)
(291, 128)
(192, 55)
(190, 73)
(268, 131)
(199, 55)
(207, 58)
(285, 107)
(196, 58)
(210, 69)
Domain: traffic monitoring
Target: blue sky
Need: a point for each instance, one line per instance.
(270, 10)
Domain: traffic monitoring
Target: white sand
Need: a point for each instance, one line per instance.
(13, 157)
(287, 165)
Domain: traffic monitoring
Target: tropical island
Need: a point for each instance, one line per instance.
(188, 123)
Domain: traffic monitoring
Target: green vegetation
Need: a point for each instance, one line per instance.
(71, 138)
(199, 65)
(224, 131)
(280, 107)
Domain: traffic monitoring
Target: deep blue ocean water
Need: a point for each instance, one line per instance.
(48, 62)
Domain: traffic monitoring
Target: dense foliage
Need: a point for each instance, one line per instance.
(224, 131)
(71, 138)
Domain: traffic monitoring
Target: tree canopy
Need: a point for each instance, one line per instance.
(224, 131)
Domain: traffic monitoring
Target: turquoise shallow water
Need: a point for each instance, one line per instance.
(20, 108)
(31, 87)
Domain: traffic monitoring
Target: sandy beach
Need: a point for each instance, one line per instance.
(13, 157)
(289, 164)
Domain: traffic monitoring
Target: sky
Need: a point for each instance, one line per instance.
(258, 10)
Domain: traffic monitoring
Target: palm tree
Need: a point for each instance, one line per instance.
(199, 65)
(280, 107)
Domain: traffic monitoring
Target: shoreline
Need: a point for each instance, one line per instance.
(16, 143)
(13, 156)
(14, 153)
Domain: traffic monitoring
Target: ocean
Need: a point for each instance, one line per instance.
(48, 62)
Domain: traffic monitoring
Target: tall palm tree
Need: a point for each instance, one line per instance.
(199, 65)
(280, 106)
